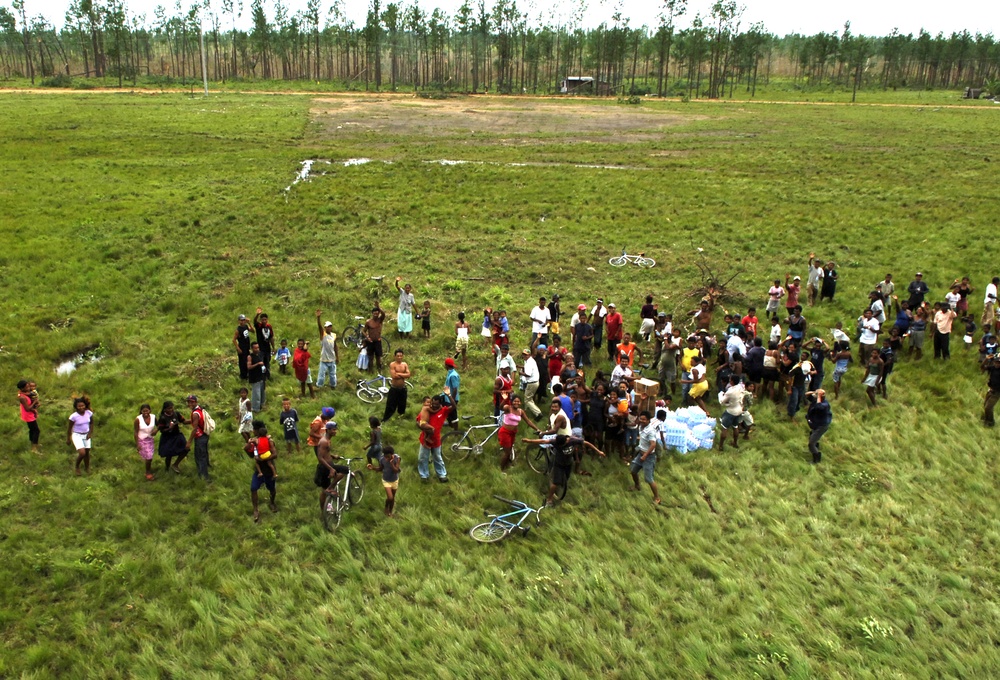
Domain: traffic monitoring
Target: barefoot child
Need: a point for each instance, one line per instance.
(388, 463)
(283, 355)
(462, 339)
(289, 419)
(374, 440)
(425, 318)
(245, 415)
(300, 364)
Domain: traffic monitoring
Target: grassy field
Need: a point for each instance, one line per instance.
(143, 224)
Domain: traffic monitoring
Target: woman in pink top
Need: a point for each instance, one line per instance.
(79, 430)
(29, 411)
(144, 430)
(510, 421)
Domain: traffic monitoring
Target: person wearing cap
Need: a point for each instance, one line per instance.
(399, 372)
(318, 424)
(661, 331)
(266, 340)
(917, 290)
(452, 387)
(505, 359)
(529, 383)
(819, 417)
(580, 309)
(554, 313)
(613, 322)
(597, 314)
(647, 316)
(583, 338)
(372, 331)
(198, 441)
(540, 317)
(241, 341)
(431, 419)
(814, 279)
(404, 313)
(327, 474)
(793, 285)
(329, 355)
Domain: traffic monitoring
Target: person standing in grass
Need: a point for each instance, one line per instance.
(513, 414)
(732, 401)
(598, 313)
(198, 441)
(241, 341)
(814, 280)
(990, 304)
(583, 338)
(529, 381)
(774, 295)
(645, 458)
(870, 328)
(327, 474)
(793, 287)
(943, 318)
(29, 412)
(300, 365)
(244, 418)
(79, 431)
(917, 290)
(614, 322)
(647, 319)
(829, 288)
(462, 340)
(918, 329)
(992, 366)
(261, 448)
(873, 373)
(425, 319)
(540, 317)
(431, 419)
(554, 313)
(265, 339)
(388, 463)
(144, 431)
(840, 355)
(257, 375)
(373, 338)
(289, 419)
(283, 355)
(172, 441)
(819, 417)
(329, 356)
(404, 313)
(452, 386)
(399, 372)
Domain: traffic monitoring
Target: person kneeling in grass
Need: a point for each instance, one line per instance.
(388, 463)
(562, 460)
(645, 459)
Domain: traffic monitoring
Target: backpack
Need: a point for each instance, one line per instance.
(208, 424)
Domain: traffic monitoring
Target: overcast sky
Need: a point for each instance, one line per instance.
(870, 17)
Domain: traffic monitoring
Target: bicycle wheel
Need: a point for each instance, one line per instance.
(454, 446)
(386, 348)
(489, 532)
(356, 489)
(538, 458)
(619, 261)
(369, 395)
(331, 513)
(646, 262)
(409, 385)
(351, 336)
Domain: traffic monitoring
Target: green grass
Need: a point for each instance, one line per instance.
(146, 223)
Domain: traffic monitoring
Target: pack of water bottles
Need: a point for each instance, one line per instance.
(689, 429)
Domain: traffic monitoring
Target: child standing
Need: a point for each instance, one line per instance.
(388, 463)
(289, 419)
(283, 355)
(425, 318)
(775, 330)
(631, 432)
(462, 339)
(374, 440)
(300, 364)
(245, 417)
(970, 330)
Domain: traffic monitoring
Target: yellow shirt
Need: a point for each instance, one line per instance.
(686, 356)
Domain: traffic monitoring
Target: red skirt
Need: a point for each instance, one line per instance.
(506, 437)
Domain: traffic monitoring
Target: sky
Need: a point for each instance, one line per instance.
(869, 17)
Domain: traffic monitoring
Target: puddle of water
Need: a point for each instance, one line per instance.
(89, 357)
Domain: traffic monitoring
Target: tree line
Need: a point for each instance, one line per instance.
(481, 48)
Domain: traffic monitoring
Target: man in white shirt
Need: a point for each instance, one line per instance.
(622, 375)
(735, 344)
(886, 287)
(877, 306)
(597, 315)
(529, 378)
(732, 401)
(815, 278)
(990, 305)
(540, 319)
(870, 328)
(505, 359)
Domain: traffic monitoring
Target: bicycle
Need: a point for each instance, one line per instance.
(640, 260)
(541, 460)
(500, 526)
(373, 390)
(460, 444)
(353, 336)
(349, 491)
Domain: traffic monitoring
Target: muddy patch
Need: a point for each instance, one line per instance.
(74, 360)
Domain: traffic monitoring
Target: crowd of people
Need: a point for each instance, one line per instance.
(554, 387)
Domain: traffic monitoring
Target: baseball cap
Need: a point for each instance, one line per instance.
(449, 362)
(580, 308)
(328, 412)
(555, 296)
(526, 352)
(796, 278)
(241, 317)
(331, 425)
(601, 300)
(920, 274)
(328, 324)
(662, 314)
(192, 397)
(612, 304)
(542, 347)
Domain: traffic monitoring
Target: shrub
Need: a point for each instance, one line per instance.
(58, 80)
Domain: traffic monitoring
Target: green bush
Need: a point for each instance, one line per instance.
(58, 80)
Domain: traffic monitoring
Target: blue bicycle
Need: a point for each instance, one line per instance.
(500, 526)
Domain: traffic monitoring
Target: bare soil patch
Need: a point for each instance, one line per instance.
(509, 122)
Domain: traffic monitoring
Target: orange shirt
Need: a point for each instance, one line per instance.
(628, 349)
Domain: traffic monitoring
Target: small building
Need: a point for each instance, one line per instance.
(584, 85)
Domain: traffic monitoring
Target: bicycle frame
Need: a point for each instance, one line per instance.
(468, 438)
(523, 512)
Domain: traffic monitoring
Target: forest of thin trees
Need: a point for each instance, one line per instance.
(494, 48)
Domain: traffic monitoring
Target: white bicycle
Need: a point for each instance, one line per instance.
(639, 260)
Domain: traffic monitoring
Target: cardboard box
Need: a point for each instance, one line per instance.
(647, 388)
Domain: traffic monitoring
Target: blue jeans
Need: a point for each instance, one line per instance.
(422, 460)
(257, 396)
(686, 387)
(327, 368)
(795, 395)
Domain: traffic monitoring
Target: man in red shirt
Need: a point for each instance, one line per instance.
(614, 335)
(430, 421)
